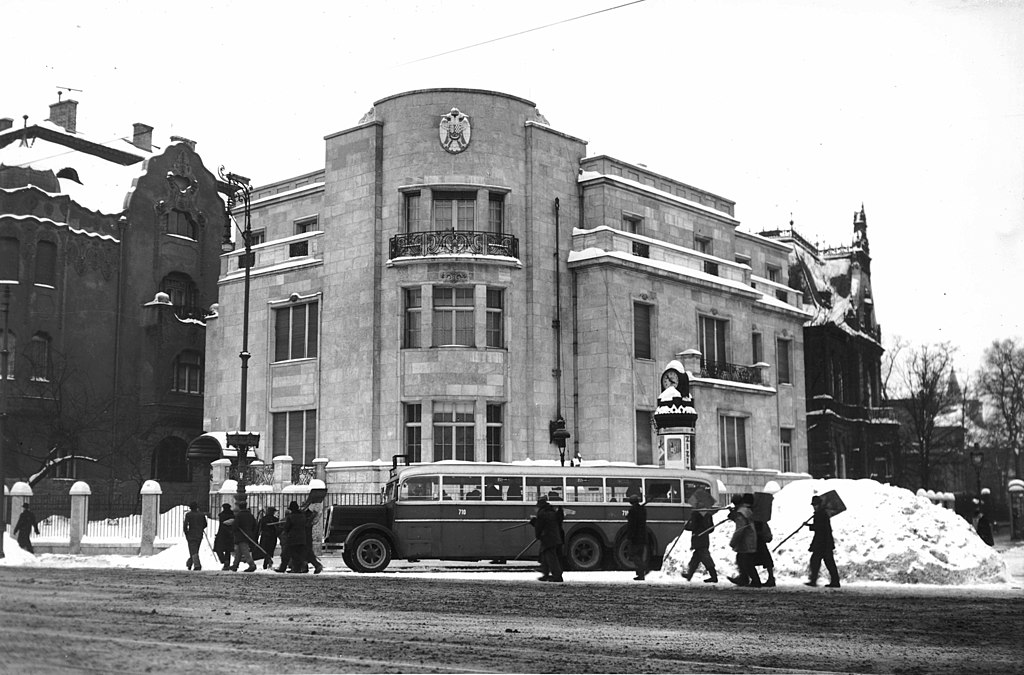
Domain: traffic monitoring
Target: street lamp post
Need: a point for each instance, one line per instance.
(242, 440)
(5, 354)
(977, 459)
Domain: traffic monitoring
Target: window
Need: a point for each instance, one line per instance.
(413, 441)
(46, 263)
(9, 258)
(786, 449)
(644, 440)
(453, 431)
(774, 273)
(495, 320)
(496, 213)
(170, 462)
(257, 237)
(179, 223)
(414, 221)
(711, 268)
(307, 225)
(180, 289)
(632, 224)
(782, 348)
(702, 244)
(9, 345)
(494, 432)
(413, 318)
(756, 348)
(454, 210)
(298, 249)
(453, 317)
(641, 331)
(781, 295)
(295, 435)
(295, 332)
(188, 373)
(39, 358)
(641, 250)
(66, 465)
(732, 437)
(712, 340)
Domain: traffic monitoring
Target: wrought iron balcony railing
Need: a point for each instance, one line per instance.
(733, 372)
(303, 473)
(449, 242)
(261, 474)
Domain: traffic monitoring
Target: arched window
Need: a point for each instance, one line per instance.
(170, 462)
(9, 258)
(46, 263)
(182, 292)
(188, 373)
(40, 361)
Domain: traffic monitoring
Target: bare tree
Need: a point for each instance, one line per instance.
(895, 346)
(1001, 384)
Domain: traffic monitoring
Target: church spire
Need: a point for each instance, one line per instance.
(860, 229)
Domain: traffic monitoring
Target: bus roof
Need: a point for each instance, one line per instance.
(456, 468)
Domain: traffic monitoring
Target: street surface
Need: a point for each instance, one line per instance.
(55, 620)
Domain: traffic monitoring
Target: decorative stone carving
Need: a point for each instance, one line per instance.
(454, 131)
(454, 277)
(182, 191)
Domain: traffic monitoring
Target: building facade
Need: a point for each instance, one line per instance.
(110, 252)
(460, 280)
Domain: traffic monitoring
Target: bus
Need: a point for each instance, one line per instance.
(471, 511)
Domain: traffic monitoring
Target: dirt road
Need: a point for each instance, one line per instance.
(135, 621)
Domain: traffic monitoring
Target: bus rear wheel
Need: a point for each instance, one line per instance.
(585, 552)
(371, 553)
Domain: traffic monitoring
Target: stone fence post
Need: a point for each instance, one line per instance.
(321, 468)
(150, 492)
(20, 495)
(219, 473)
(80, 492)
(282, 472)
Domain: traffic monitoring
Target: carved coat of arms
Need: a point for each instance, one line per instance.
(454, 131)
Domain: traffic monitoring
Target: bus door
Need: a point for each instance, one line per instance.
(418, 516)
(462, 517)
(507, 530)
(667, 513)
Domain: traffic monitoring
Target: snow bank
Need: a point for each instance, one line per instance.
(887, 534)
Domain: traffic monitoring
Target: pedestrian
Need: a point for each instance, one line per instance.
(312, 516)
(224, 540)
(744, 541)
(24, 527)
(282, 538)
(700, 526)
(982, 526)
(636, 537)
(295, 533)
(762, 556)
(244, 533)
(267, 527)
(195, 529)
(822, 545)
(548, 532)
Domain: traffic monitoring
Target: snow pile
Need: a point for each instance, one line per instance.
(886, 534)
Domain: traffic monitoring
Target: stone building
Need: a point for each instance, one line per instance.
(110, 253)
(460, 279)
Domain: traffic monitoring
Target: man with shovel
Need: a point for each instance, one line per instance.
(822, 544)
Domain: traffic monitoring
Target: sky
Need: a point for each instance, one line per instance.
(797, 110)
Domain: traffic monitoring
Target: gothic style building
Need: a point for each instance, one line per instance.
(108, 256)
(460, 280)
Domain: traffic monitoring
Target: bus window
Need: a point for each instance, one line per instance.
(691, 486)
(545, 486)
(584, 489)
(665, 490)
(497, 488)
(462, 487)
(619, 489)
(420, 488)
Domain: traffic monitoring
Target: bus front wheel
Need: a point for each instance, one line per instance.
(371, 553)
(585, 552)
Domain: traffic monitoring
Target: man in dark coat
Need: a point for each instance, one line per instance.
(700, 525)
(195, 528)
(24, 527)
(744, 541)
(267, 527)
(822, 545)
(224, 540)
(762, 556)
(244, 534)
(636, 536)
(548, 531)
(312, 516)
(295, 534)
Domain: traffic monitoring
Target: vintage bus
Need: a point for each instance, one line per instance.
(480, 511)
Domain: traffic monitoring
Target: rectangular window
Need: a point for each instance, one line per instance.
(702, 244)
(454, 322)
(786, 449)
(547, 486)
(496, 213)
(294, 434)
(632, 224)
(454, 210)
(413, 441)
(495, 318)
(9, 258)
(757, 348)
(782, 351)
(494, 432)
(414, 221)
(257, 237)
(413, 318)
(711, 268)
(295, 332)
(644, 439)
(306, 225)
(774, 273)
(46, 263)
(453, 431)
(732, 438)
(188, 373)
(642, 331)
(712, 340)
(781, 295)
(39, 358)
(179, 223)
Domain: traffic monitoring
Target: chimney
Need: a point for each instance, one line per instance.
(6, 123)
(64, 114)
(142, 138)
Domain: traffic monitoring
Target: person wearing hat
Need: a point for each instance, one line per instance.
(23, 528)
(267, 527)
(295, 534)
(224, 541)
(195, 528)
(636, 536)
(744, 541)
(822, 545)
(700, 526)
(245, 533)
(548, 532)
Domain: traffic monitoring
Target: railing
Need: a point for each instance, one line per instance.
(194, 313)
(303, 473)
(449, 242)
(853, 412)
(720, 370)
(260, 474)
